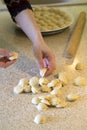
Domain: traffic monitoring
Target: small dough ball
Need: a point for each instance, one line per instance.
(55, 101)
(43, 72)
(27, 88)
(14, 56)
(23, 81)
(35, 90)
(53, 83)
(72, 97)
(63, 78)
(62, 104)
(43, 81)
(40, 119)
(79, 66)
(42, 106)
(22, 85)
(44, 88)
(35, 100)
(56, 91)
(45, 101)
(80, 81)
(18, 89)
(34, 81)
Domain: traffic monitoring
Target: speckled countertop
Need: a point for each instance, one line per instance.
(16, 111)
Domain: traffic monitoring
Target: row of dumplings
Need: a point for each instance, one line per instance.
(51, 18)
(43, 84)
(36, 84)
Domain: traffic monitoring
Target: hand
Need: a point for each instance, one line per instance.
(45, 57)
(4, 59)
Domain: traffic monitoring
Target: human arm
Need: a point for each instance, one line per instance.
(25, 19)
(43, 54)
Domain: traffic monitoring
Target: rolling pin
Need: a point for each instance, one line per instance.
(74, 40)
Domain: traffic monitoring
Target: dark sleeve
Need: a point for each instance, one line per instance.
(16, 6)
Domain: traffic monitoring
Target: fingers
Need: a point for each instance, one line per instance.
(50, 65)
(5, 62)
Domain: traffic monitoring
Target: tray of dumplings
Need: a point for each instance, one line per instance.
(52, 20)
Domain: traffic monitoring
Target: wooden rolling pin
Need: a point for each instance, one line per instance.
(74, 41)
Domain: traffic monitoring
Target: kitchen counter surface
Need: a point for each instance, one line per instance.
(16, 111)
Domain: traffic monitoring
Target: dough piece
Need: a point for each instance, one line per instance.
(55, 101)
(35, 90)
(14, 56)
(63, 78)
(23, 86)
(40, 119)
(62, 104)
(53, 83)
(43, 81)
(43, 72)
(27, 88)
(42, 106)
(79, 66)
(45, 101)
(35, 100)
(80, 81)
(56, 91)
(18, 89)
(34, 81)
(44, 88)
(72, 97)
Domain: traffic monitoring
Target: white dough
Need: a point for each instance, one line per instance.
(80, 81)
(42, 72)
(42, 106)
(14, 56)
(18, 89)
(72, 97)
(43, 81)
(40, 119)
(35, 100)
(63, 78)
(79, 66)
(34, 81)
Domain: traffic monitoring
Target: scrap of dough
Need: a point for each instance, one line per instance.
(35, 90)
(62, 104)
(54, 101)
(18, 89)
(79, 66)
(34, 81)
(45, 101)
(44, 88)
(42, 106)
(27, 88)
(56, 91)
(43, 81)
(14, 56)
(43, 72)
(72, 97)
(63, 78)
(40, 119)
(80, 81)
(23, 86)
(53, 83)
(35, 100)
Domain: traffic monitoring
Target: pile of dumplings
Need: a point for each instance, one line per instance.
(52, 87)
(51, 18)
